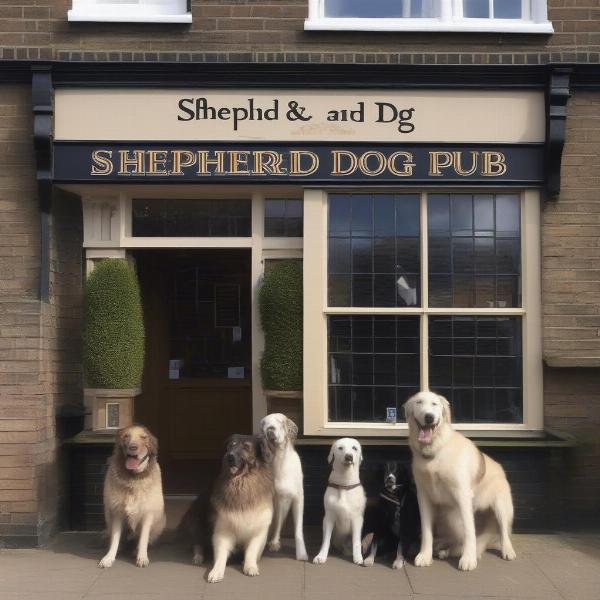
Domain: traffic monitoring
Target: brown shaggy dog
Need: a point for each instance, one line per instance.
(133, 493)
(240, 509)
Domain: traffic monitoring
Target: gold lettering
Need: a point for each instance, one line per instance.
(494, 164)
(407, 166)
(268, 162)
(458, 164)
(364, 166)
(337, 162)
(155, 160)
(296, 162)
(204, 162)
(238, 159)
(137, 162)
(439, 160)
(181, 160)
(103, 163)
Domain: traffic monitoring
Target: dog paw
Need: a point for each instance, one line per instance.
(142, 561)
(467, 563)
(215, 576)
(106, 562)
(445, 553)
(301, 555)
(369, 561)
(423, 560)
(358, 560)
(197, 560)
(509, 554)
(319, 559)
(251, 570)
(398, 563)
(275, 546)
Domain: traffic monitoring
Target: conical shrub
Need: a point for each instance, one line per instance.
(280, 300)
(113, 330)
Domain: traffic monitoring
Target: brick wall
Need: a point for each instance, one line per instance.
(572, 404)
(272, 30)
(571, 244)
(22, 409)
(39, 364)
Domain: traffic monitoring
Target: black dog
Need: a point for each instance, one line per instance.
(392, 521)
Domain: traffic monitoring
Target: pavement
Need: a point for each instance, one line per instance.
(563, 566)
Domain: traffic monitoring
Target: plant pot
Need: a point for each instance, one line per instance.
(287, 402)
(107, 410)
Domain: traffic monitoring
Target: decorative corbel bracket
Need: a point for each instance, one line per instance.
(43, 111)
(557, 96)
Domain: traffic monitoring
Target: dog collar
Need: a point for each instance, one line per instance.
(338, 486)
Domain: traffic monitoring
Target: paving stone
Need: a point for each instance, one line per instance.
(339, 577)
(575, 574)
(493, 577)
(549, 567)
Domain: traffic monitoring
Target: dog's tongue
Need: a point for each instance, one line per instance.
(132, 462)
(425, 435)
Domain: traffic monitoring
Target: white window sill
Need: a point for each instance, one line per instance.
(465, 25)
(137, 16)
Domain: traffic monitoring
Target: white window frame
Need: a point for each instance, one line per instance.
(534, 20)
(130, 11)
(316, 311)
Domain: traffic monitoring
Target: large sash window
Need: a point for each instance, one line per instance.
(427, 291)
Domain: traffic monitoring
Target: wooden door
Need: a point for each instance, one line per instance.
(197, 387)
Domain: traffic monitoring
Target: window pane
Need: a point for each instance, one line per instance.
(462, 214)
(508, 215)
(339, 214)
(474, 250)
(476, 362)
(438, 207)
(373, 365)
(476, 9)
(375, 239)
(283, 218)
(191, 218)
(507, 9)
(382, 8)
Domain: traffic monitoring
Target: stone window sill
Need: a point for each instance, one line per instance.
(431, 25)
(139, 15)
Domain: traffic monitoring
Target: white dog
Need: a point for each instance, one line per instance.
(344, 500)
(279, 433)
(454, 481)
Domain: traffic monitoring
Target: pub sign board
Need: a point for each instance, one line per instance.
(309, 136)
(311, 163)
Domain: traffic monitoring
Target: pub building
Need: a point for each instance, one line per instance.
(448, 240)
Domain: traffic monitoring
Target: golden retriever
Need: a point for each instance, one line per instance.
(456, 483)
(133, 493)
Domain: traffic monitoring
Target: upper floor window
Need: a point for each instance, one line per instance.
(133, 11)
(525, 16)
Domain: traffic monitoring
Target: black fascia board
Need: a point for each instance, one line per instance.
(298, 75)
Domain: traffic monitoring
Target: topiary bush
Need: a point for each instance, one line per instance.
(113, 328)
(280, 300)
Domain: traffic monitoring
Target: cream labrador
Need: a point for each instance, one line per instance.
(344, 500)
(279, 434)
(455, 483)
